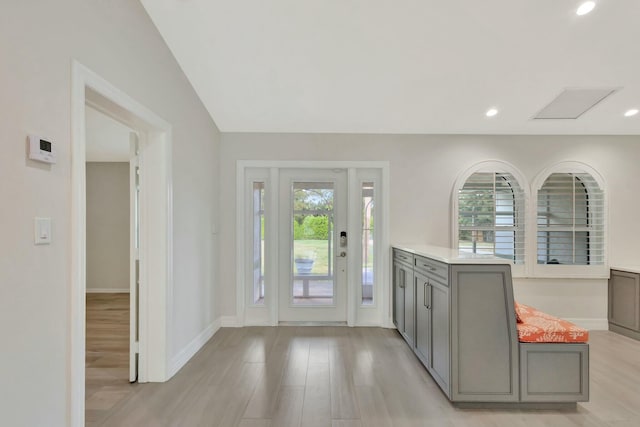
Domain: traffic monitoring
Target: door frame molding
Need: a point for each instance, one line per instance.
(384, 318)
(87, 87)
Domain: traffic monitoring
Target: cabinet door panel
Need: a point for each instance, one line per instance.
(624, 299)
(440, 332)
(398, 296)
(409, 307)
(423, 318)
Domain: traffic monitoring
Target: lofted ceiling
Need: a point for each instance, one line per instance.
(404, 66)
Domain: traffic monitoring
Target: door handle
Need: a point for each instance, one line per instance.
(427, 291)
(342, 254)
(429, 267)
(424, 302)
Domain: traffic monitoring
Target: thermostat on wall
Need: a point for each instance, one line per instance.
(41, 150)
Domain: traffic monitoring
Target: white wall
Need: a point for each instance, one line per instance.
(115, 39)
(423, 170)
(107, 139)
(107, 226)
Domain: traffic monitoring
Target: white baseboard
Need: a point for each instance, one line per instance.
(367, 325)
(229, 322)
(591, 323)
(192, 348)
(257, 323)
(107, 291)
(388, 323)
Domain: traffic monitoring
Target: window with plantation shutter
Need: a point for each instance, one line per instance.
(570, 220)
(491, 216)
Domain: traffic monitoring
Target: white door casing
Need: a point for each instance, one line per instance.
(155, 302)
(134, 254)
(267, 311)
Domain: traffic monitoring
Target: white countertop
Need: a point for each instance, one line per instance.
(630, 269)
(450, 256)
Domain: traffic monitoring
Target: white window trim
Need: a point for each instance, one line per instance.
(493, 166)
(567, 271)
(251, 176)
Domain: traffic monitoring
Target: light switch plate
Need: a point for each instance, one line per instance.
(42, 231)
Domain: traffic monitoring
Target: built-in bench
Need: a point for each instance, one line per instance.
(554, 357)
(457, 313)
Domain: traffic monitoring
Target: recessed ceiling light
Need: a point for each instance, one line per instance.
(585, 8)
(631, 112)
(491, 112)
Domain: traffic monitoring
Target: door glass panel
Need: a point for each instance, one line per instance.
(312, 245)
(367, 243)
(258, 243)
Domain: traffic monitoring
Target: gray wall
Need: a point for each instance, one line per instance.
(107, 226)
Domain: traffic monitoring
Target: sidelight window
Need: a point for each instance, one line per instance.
(258, 227)
(367, 218)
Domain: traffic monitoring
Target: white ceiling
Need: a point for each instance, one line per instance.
(107, 139)
(404, 66)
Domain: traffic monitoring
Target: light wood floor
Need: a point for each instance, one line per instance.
(107, 355)
(346, 377)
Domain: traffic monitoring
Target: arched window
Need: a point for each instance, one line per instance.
(490, 208)
(570, 220)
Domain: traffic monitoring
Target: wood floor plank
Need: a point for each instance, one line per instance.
(346, 423)
(318, 349)
(246, 422)
(263, 401)
(107, 355)
(239, 393)
(343, 397)
(288, 410)
(295, 373)
(373, 409)
(316, 410)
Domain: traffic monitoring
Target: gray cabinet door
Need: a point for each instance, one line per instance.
(624, 299)
(398, 296)
(409, 306)
(423, 318)
(440, 335)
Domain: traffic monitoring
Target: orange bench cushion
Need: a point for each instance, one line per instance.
(536, 326)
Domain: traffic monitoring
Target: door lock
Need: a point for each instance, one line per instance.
(342, 254)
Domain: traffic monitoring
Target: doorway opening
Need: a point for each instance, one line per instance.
(111, 264)
(150, 243)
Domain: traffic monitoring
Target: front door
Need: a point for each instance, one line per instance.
(312, 245)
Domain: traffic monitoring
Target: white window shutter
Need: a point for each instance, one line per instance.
(570, 220)
(491, 216)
